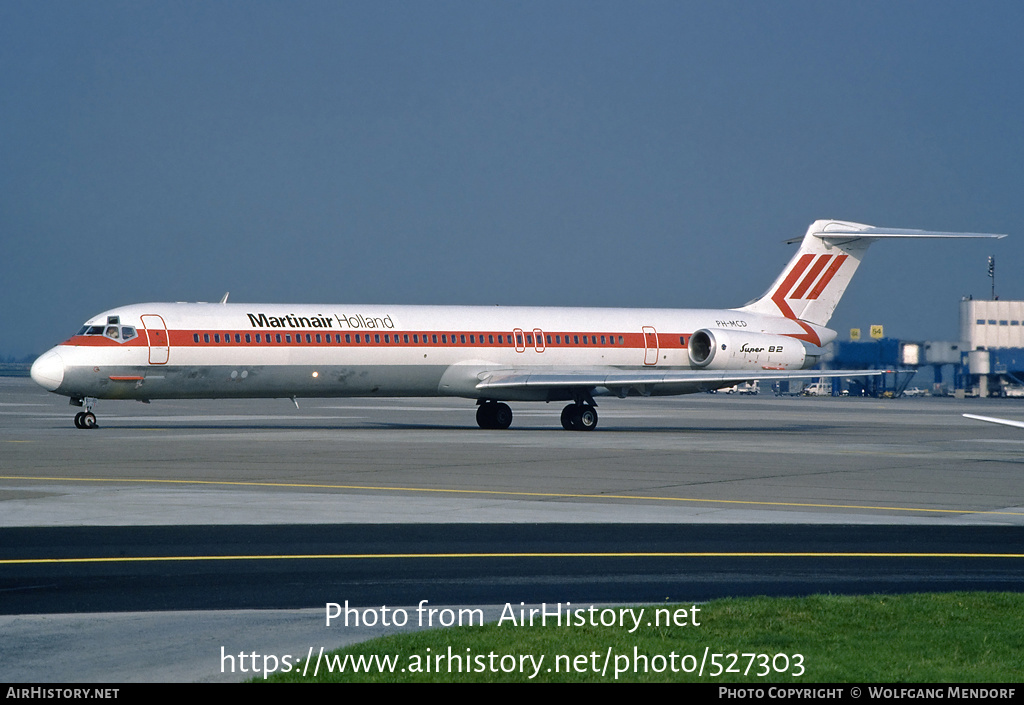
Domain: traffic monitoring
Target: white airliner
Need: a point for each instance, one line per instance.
(490, 354)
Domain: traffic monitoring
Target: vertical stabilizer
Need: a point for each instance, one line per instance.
(811, 285)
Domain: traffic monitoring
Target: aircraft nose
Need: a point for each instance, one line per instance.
(48, 370)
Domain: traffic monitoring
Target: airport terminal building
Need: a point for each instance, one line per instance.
(992, 347)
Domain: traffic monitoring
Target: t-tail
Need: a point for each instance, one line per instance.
(811, 285)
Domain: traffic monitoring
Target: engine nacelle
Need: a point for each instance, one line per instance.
(716, 349)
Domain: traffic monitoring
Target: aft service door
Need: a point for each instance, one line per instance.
(651, 345)
(159, 346)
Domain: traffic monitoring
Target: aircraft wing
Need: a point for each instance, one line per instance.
(990, 419)
(620, 382)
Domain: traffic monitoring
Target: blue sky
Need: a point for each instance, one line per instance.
(538, 153)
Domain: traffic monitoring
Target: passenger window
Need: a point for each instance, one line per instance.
(195, 337)
(248, 338)
(277, 338)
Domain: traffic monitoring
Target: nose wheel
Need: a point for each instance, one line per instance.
(85, 419)
(579, 417)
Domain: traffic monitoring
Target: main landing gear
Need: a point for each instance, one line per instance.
(85, 419)
(579, 417)
(493, 415)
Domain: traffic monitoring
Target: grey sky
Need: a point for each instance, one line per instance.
(548, 153)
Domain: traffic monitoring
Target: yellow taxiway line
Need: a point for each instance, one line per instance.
(512, 493)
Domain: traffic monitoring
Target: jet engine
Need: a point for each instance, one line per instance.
(716, 349)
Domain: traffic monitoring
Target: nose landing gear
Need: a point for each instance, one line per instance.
(85, 419)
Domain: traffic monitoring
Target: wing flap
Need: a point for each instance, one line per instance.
(588, 379)
(992, 419)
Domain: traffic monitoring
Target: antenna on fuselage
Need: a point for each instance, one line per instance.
(224, 299)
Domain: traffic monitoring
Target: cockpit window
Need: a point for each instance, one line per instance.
(113, 332)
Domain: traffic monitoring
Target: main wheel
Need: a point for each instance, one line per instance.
(586, 418)
(493, 415)
(485, 415)
(501, 416)
(568, 414)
